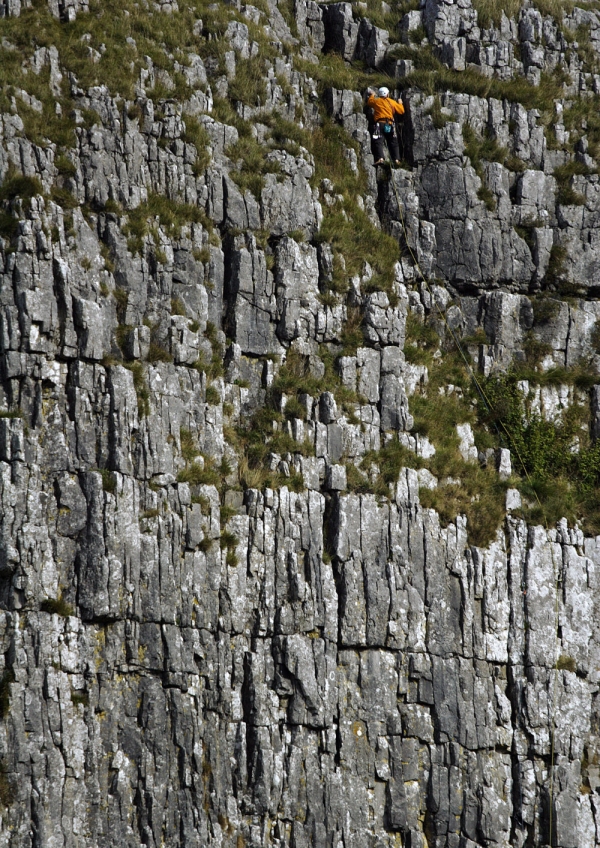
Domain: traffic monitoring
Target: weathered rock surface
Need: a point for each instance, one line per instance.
(302, 665)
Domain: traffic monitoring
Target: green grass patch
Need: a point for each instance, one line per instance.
(213, 367)
(16, 185)
(431, 77)
(171, 215)
(109, 482)
(352, 332)
(249, 156)
(564, 176)
(157, 353)
(108, 47)
(196, 134)
(57, 606)
(421, 341)
(189, 447)
(249, 86)
(439, 118)
(200, 475)
(286, 135)
(582, 117)
(352, 235)
(480, 150)
(212, 396)
(556, 267)
(566, 663)
(490, 13)
(264, 433)
(141, 387)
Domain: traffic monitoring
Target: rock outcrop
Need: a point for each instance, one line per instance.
(230, 615)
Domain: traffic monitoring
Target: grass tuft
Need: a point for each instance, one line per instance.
(57, 606)
(564, 174)
(171, 215)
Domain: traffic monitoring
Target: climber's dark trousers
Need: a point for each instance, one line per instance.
(377, 140)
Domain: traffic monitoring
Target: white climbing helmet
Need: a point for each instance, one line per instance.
(383, 91)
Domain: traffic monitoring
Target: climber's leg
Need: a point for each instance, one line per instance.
(377, 145)
(392, 143)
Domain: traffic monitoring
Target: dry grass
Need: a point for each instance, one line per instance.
(490, 13)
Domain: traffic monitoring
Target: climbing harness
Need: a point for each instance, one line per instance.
(513, 444)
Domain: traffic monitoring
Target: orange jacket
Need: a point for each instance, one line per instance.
(384, 108)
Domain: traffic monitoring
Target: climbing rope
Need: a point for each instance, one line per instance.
(513, 443)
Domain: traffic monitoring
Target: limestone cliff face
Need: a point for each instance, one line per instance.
(215, 634)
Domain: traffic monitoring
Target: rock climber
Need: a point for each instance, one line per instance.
(385, 112)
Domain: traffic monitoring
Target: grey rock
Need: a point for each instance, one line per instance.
(341, 32)
(187, 664)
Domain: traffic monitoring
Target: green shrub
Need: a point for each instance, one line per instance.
(562, 482)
